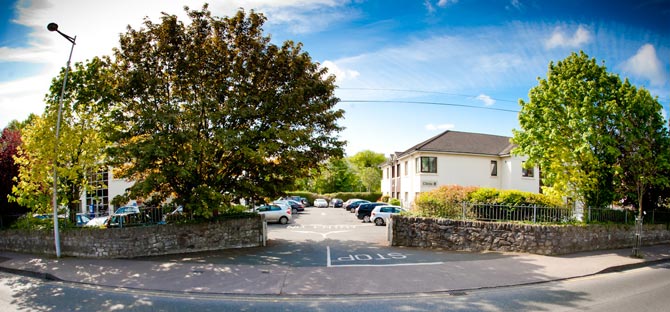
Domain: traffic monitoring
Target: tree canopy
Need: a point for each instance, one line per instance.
(212, 111)
(10, 140)
(591, 133)
(80, 144)
(367, 164)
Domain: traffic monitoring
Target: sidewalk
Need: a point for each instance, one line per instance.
(467, 271)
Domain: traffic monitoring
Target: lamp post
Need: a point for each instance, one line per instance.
(54, 27)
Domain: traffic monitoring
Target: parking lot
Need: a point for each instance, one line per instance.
(324, 237)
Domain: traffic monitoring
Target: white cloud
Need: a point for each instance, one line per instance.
(297, 16)
(444, 3)
(646, 64)
(440, 3)
(560, 39)
(341, 74)
(442, 127)
(488, 101)
(515, 4)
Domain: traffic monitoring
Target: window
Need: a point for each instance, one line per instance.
(426, 165)
(406, 168)
(526, 173)
(494, 168)
(388, 176)
(97, 199)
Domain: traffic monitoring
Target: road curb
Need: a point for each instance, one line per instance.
(34, 274)
(632, 266)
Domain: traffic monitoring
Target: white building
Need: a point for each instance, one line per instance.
(98, 200)
(460, 158)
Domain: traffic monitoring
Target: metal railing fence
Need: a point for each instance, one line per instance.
(540, 214)
(521, 213)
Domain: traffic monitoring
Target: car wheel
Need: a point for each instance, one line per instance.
(366, 219)
(294, 211)
(379, 221)
(283, 220)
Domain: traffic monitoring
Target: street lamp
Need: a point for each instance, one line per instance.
(54, 27)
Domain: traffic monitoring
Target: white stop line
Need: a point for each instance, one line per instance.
(367, 260)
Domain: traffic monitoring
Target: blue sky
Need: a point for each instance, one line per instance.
(391, 58)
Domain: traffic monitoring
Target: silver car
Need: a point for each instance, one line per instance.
(381, 214)
(320, 203)
(275, 213)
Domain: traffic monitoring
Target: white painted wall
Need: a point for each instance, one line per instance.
(464, 170)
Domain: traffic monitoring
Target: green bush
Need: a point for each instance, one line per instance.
(385, 198)
(484, 195)
(394, 202)
(445, 201)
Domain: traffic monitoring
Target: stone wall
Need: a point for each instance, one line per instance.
(139, 241)
(512, 237)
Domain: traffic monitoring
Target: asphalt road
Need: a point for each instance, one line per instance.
(645, 289)
(325, 237)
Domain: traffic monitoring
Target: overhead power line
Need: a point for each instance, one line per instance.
(431, 103)
(424, 91)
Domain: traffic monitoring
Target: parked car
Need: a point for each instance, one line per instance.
(295, 206)
(336, 203)
(127, 209)
(275, 213)
(381, 214)
(363, 210)
(349, 201)
(82, 219)
(127, 216)
(320, 203)
(299, 199)
(97, 221)
(304, 201)
(353, 205)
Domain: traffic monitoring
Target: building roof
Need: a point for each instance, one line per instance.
(464, 143)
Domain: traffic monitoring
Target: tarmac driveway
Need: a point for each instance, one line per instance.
(325, 237)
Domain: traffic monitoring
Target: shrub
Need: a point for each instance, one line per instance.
(395, 202)
(385, 198)
(445, 201)
(484, 195)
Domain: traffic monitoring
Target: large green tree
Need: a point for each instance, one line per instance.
(336, 175)
(80, 143)
(211, 111)
(576, 127)
(644, 144)
(367, 164)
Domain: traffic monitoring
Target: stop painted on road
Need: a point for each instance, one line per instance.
(372, 257)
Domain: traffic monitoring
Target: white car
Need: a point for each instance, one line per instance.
(97, 221)
(275, 213)
(381, 214)
(320, 203)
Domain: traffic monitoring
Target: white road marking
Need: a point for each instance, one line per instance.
(329, 263)
(385, 265)
(322, 234)
(328, 255)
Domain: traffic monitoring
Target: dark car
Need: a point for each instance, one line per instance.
(295, 205)
(364, 210)
(353, 205)
(336, 203)
(299, 199)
